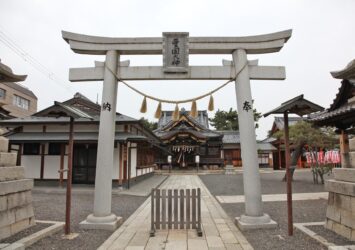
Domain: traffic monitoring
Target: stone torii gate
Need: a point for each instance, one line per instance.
(175, 48)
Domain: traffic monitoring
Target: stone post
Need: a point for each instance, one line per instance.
(344, 149)
(254, 216)
(102, 218)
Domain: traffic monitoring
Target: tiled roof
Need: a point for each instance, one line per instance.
(280, 124)
(6, 74)
(297, 105)
(64, 136)
(230, 136)
(166, 118)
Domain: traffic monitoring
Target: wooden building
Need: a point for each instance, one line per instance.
(188, 137)
(42, 143)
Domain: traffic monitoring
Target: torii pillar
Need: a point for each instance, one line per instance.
(102, 217)
(254, 216)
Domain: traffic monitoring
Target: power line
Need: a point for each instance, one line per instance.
(8, 42)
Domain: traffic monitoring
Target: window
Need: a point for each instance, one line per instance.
(31, 148)
(2, 93)
(21, 102)
(54, 149)
(263, 159)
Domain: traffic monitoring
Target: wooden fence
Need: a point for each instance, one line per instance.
(176, 209)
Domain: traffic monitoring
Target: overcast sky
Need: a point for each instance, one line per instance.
(323, 40)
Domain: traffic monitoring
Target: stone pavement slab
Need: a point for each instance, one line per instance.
(273, 197)
(144, 187)
(219, 231)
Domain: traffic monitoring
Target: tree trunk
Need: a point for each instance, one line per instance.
(294, 158)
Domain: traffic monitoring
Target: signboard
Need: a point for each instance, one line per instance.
(175, 52)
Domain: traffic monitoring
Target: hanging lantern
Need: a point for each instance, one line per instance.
(193, 111)
(158, 111)
(144, 105)
(211, 104)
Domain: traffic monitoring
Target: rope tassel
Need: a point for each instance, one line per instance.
(158, 111)
(193, 111)
(144, 105)
(176, 113)
(211, 104)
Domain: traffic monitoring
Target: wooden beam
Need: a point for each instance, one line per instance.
(42, 161)
(61, 164)
(195, 73)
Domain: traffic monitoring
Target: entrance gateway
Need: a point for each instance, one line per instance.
(175, 48)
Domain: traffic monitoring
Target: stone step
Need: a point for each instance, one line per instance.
(12, 173)
(8, 159)
(9, 187)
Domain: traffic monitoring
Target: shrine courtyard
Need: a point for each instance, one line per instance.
(222, 195)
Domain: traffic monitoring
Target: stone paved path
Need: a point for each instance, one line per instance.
(143, 188)
(274, 197)
(219, 231)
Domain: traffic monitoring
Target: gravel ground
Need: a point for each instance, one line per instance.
(52, 207)
(271, 183)
(304, 211)
(330, 236)
(26, 232)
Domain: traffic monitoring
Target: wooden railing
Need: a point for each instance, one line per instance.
(176, 209)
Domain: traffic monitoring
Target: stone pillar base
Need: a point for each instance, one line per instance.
(250, 222)
(110, 222)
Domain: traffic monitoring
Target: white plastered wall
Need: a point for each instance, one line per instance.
(32, 165)
(133, 160)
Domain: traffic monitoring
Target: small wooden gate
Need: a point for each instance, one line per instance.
(176, 209)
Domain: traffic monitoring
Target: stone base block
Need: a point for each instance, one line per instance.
(9, 230)
(8, 159)
(248, 222)
(340, 187)
(70, 236)
(352, 159)
(22, 224)
(18, 199)
(8, 187)
(12, 173)
(110, 223)
(344, 174)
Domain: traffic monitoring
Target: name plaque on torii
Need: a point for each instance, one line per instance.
(175, 52)
(175, 48)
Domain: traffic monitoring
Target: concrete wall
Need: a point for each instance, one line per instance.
(8, 100)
